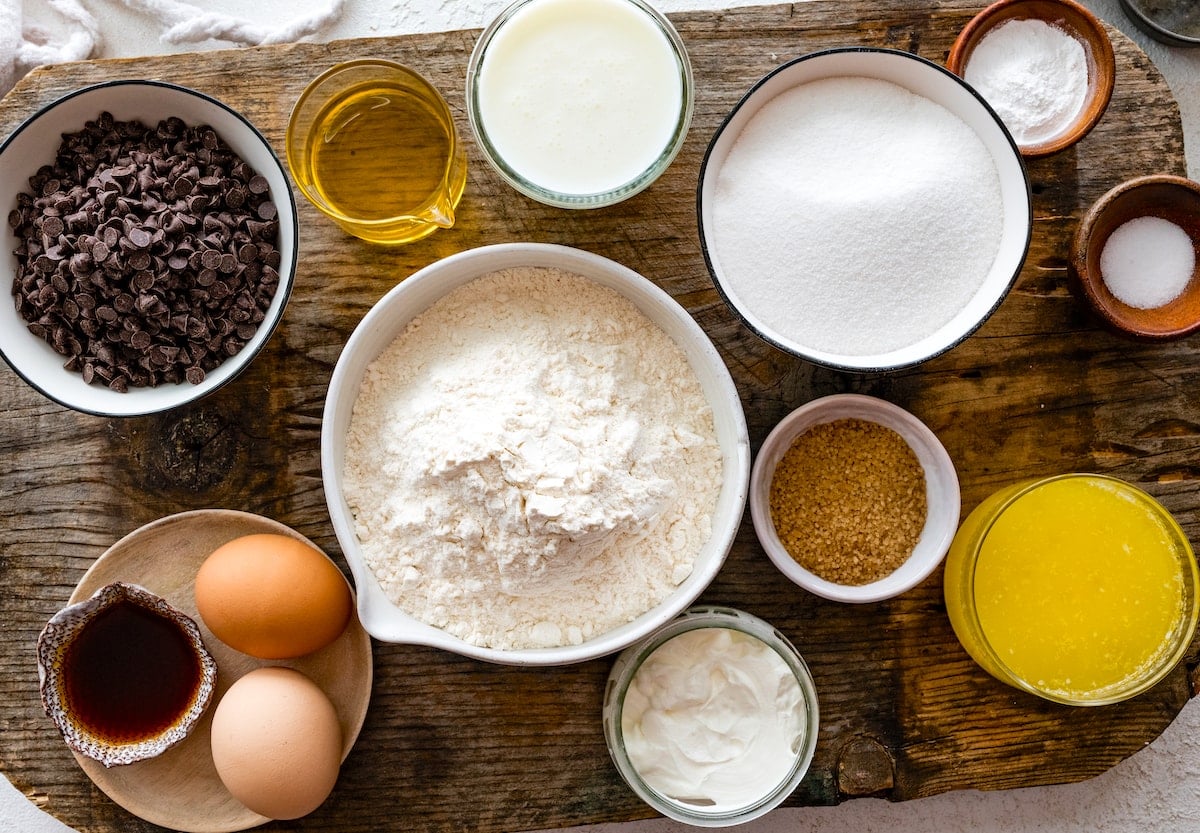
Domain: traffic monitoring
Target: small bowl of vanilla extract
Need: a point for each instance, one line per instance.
(123, 674)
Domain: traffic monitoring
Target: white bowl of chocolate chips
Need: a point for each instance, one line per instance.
(150, 247)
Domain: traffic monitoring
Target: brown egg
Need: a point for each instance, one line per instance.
(277, 743)
(272, 596)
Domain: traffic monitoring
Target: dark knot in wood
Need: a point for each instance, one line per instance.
(865, 767)
(196, 451)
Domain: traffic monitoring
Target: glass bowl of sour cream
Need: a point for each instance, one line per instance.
(580, 103)
(712, 720)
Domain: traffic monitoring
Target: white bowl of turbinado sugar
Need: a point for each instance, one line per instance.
(863, 209)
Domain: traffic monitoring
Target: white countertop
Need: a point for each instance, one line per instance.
(1155, 790)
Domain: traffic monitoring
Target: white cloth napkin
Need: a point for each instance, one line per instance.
(188, 24)
(23, 47)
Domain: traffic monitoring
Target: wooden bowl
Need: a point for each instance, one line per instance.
(1072, 18)
(1172, 198)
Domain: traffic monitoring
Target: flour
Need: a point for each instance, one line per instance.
(1034, 75)
(531, 463)
(856, 217)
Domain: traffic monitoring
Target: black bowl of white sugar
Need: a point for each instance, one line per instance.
(532, 455)
(863, 209)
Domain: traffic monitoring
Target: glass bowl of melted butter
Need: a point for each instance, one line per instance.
(712, 720)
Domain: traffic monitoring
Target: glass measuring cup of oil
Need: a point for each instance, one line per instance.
(372, 145)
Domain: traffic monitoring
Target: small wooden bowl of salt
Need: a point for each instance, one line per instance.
(1133, 258)
(1045, 66)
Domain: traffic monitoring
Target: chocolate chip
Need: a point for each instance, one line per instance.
(210, 258)
(139, 238)
(139, 260)
(53, 227)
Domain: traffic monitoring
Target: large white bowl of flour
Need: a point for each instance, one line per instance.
(532, 455)
(863, 209)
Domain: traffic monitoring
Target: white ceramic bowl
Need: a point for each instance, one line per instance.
(388, 318)
(34, 143)
(941, 494)
(936, 84)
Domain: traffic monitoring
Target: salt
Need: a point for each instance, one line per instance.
(1147, 262)
(1034, 75)
(855, 216)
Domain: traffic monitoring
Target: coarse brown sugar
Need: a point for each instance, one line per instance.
(848, 501)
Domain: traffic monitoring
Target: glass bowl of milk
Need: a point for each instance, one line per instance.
(712, 720)
(580, 103)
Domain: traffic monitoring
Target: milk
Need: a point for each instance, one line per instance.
(580, 96)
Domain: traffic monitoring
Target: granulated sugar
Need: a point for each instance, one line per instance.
(531, 463)
(856, 217)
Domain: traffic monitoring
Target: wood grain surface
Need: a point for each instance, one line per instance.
(451, 744)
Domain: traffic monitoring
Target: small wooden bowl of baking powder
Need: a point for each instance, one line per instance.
(1049, 90)
(1134, 258)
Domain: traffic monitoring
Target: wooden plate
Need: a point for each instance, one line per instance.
(180, 789)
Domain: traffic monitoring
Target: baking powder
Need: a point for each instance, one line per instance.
(1034, 75)
(531, 463)
(855, 216)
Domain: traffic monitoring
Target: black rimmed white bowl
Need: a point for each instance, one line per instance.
(929, 81)
(34, 144)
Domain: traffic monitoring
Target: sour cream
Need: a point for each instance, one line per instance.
(714, 717)
(580, 96)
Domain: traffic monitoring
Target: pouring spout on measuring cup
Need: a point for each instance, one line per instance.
(441, 214)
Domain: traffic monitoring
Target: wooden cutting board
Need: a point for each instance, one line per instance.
(453, 744)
